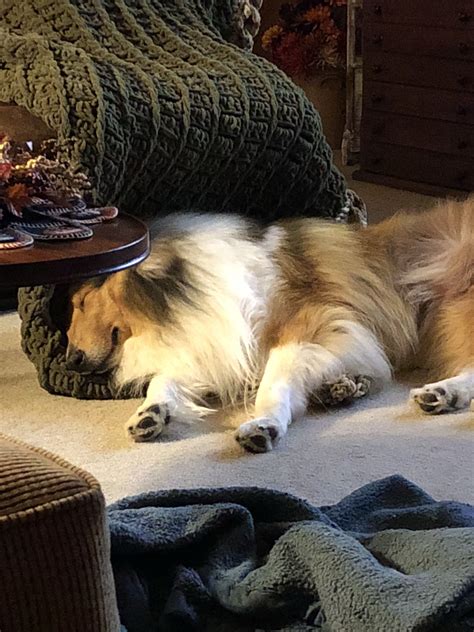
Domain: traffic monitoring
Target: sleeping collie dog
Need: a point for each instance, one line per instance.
(270, 315)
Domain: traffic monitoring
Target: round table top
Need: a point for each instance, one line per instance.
(115, 245)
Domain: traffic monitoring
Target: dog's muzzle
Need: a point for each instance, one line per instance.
(76, 360)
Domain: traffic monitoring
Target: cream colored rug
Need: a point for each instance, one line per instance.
(321, 459)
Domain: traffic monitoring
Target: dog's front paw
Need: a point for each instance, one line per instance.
(148, 422)
(433, 399)
(259, 435)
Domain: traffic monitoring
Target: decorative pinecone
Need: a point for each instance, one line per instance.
(24, 176)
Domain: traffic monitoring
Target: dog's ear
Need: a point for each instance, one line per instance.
(75, 294)
(115, 287)
(78, 291)
(78, 295)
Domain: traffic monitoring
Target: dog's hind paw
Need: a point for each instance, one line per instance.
(434, 400)
(346, 389)
(363, 384)
(148, 422)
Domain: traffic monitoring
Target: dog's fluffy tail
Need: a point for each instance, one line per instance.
(439, 260)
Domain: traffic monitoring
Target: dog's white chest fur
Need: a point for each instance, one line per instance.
(212, 345)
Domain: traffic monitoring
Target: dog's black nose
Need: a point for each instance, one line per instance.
(76, 360)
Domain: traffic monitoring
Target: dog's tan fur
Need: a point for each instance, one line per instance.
(401, 292)
(339, 273)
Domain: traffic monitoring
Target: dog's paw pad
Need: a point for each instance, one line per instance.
(148, 423)
(258, 436)
(342, 390)
(346, 389)
(434, 400)
(363, 384)
(334, 393)
(162, 410)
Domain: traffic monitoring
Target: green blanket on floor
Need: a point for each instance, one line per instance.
(387, 558)
(161, 108)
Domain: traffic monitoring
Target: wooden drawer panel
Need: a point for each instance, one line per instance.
(445, 13)
(419, 166)
(410, 131)
(419, 40)
(422, 71)
(423, 102)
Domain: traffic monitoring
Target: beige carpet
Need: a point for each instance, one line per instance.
(321, 459)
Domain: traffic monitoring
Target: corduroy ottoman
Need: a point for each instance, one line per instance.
(55, 571)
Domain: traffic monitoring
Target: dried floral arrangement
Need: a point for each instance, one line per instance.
(310, 37)
(43, 197)
(24, 174)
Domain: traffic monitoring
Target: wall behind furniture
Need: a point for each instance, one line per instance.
(327, 91)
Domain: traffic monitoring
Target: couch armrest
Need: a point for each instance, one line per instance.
(55, 571)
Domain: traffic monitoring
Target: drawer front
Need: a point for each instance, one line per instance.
(419, 40)
(445, 74)
(410, 131)
(457, 14)
(418, 165)
(424, 102)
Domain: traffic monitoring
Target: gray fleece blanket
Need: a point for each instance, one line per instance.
(387, 558)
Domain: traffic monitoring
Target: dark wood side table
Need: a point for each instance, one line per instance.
(114, 246)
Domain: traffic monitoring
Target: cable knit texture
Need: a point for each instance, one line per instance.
(159, 105)
(162, 112)
(55, 570)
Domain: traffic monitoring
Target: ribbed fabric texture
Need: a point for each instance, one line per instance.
(55, 573)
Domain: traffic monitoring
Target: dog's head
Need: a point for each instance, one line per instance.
(98, 327)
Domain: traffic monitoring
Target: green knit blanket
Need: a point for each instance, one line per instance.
(161, 108)
(161, 112)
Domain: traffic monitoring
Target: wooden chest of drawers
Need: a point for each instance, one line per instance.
(418, 101)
